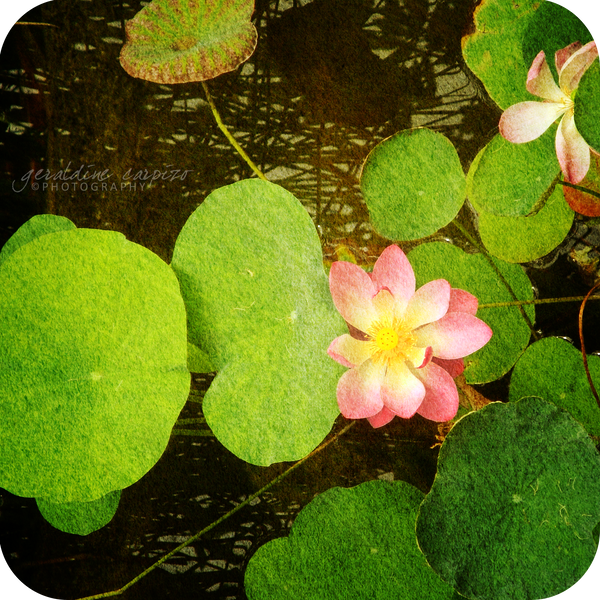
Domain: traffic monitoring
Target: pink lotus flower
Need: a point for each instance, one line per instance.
(526, 121)
(404, 346)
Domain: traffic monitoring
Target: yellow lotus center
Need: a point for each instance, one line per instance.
(386, 339)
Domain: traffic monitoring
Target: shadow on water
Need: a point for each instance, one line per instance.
(328, 81)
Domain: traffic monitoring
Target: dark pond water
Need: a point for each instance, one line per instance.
(329, 80)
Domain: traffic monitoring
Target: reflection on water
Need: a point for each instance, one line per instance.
(329, 80)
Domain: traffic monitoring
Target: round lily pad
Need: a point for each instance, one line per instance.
(349, 543)
(508, 179)
(552, 369)
(587, 106)
(250, 265)
(176, 41)
(413, 184)
(514, 502)
(93, 351)
(521, 239)
(473, 273)
(81, 518)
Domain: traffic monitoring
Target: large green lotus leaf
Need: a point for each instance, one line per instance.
(473, 273)
(32, 229)
(514, 502)
(250, 266)
(413, 184)
(80, 518)
(510, 179)
(521, 239)
(176, 41)
(552, 369)
(507, 38)
(587, 106)
(92, 364)
(349, 543)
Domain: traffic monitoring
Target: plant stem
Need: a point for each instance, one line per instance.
(537, 301)
(228, 135)
(487, 256)
(583, 353)
(223, 518)
(579, 187)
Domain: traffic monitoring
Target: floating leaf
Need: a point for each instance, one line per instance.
(509, 179)
(552, 369)
(587, 106)
(473, 273)
(32, 229)
(530, 237)
(250, 266)
(349, 543)
(176, 41)
(508, 37)
(413, 184)
(80, 518)
(514, 502)
(198, 361)
(92, 364)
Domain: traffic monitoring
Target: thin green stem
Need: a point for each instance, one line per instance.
(579, 187)
(247, 501)
(583, 353)
(537, 301)
(487, 256)
(228, 135)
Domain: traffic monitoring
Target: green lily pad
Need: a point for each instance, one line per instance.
(81, 518)
(198, 361)
(250, 265)
(587, 106)
(413, 184)
(176, 41)
(508, 37)
(514, 502)
(530, 237)
(508, 179)
(92, 364)
(32, 229)
(349, 543)
(473, 273)
(552, 369)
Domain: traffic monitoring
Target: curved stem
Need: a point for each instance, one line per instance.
(228, 135)
(537, 301)
(583, 354)
(579, 187)
(487, 256)
(223, 518)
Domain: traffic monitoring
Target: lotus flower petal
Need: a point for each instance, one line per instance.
(359, 390)
(401, 391)
(454, 367)
(561, 56)
(461, 301)
(540, 81)
(526, 121)
(575, 66)
(349, 351)
(454, 336)
(572, 150)
(441, 396)
(393, 271)
(352, 291)
(428, 304)
(382, 418)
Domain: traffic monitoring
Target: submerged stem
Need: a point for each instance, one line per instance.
(223, 518)
(537, 301)
(581, 188)
(583, 353)
(228, 135)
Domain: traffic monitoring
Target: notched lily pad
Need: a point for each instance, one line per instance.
(349, 543)
(81, 518)
(250, 265)
(93, 352)
(511, 512)
(176, 41)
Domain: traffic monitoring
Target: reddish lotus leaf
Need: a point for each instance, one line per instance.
(176, 41)
(586, 204)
